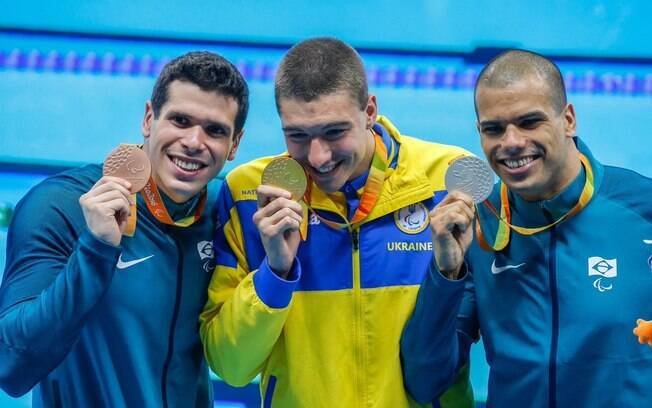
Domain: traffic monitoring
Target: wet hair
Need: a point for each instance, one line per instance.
(210, 72)
(321, 66)
(514, 65)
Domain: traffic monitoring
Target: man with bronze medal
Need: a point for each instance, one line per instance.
(321, 250)
(107, 266)
(559, 269)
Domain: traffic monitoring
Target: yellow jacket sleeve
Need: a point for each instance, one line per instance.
(246, 310)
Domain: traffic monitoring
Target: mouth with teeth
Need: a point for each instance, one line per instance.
(326, 170)
(518, 164)
(187, 165)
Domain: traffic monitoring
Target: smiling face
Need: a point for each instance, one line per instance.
(330, 136)
(190, 140)
(526, 140)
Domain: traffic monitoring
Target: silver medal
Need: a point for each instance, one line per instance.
(470, 175)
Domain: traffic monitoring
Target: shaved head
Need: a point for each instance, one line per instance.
(515, 65)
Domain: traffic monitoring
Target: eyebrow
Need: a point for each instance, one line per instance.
(537, 114)
(314, 128)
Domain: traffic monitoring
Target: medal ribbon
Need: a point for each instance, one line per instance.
(157, 208)
(505, 216)
(372, 188)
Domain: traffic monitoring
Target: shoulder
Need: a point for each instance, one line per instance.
(629, 189)
(61, 190)
(431, 158)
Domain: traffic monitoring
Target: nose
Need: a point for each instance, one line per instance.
(513, 138)
(193, 140)
(319, 152)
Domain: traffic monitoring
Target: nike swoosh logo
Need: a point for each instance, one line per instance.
(124, 265)
(498, 269)
(648, 241)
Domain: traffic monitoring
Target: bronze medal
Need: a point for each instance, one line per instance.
(286, 173)
(130, 163)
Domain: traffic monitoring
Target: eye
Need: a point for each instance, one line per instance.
(180, 120)
(216, 131)
(530, 123)
(297, 137)
(492, 130)
(333, 134)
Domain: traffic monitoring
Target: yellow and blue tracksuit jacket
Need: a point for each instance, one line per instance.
(329, 335)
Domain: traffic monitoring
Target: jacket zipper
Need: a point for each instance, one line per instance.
(175, 315)
(358, 381)
(554, 338)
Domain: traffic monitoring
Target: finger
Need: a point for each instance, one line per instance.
(266, 194)
(107, 196)
(108, 186)
(111, 179)
(278, 228)
(456, 197)
(277, 205)
(455, 220)
(115, 206)
(281, 214)
(263, 222)
(457, 209)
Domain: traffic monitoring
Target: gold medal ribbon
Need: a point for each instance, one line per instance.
(505, 216)
(372, 188)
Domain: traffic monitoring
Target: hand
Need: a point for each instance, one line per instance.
(451, 225)
(106, 208)
(278, 220)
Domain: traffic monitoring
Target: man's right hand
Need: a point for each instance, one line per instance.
(451, 224)
(278, 220)
(106, 208)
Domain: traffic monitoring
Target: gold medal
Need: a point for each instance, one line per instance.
(286, 173)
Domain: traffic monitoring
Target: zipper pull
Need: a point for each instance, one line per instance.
(355, 239)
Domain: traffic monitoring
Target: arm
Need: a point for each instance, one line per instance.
(437, 338)
(50, 287)
(432, 349)
(246, 310)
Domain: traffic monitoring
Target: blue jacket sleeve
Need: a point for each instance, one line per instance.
(437, 338)
(56, 273)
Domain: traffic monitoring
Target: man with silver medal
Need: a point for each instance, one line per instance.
(558, 272)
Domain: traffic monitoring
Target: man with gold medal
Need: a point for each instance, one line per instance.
(107, 266)
(559, 269)
(321, 250)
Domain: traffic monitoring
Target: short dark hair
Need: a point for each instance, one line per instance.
(513, 65)
(320, 66)
(210, 72)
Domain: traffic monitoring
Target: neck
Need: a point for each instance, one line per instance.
(171, 195)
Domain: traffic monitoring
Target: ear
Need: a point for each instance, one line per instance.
(148, 118)
(234, 146)
(570, 122)
(371, 111)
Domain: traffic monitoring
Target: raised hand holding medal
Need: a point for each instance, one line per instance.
(469, 181)
(279, 216)
(129, 162)
(109, 206)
